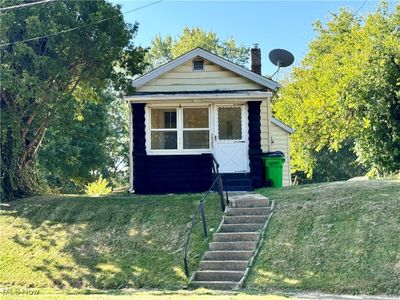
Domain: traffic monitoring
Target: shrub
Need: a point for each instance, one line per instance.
(98, 187)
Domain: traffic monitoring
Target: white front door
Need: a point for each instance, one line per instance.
(230, 138)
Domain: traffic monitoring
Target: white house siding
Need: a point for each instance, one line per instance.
(280, 142)
(265, 124)
(183, 78)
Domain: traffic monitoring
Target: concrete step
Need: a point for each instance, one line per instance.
(228, 255)
(245, 219)
(241, 227)
(218, 275)
(241, 246)
(232, 265)
(220, 285)
(249, 202)
(236, 237)
(248, 211)
(224, 265)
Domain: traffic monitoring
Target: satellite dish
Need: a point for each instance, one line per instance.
(281, 58)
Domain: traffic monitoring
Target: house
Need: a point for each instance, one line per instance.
(197, 106)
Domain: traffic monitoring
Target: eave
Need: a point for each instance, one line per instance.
(199, 97)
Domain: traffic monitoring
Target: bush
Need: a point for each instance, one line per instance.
(98, 187)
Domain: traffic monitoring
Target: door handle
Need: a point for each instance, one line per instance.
(239, 141)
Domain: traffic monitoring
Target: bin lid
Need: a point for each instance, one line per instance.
(273, 154)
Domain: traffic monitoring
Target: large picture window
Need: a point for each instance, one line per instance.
(183, 129)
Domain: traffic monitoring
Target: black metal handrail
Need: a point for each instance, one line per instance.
(200, 209)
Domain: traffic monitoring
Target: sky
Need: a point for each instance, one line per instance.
(270, 24)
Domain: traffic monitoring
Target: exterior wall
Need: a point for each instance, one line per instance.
(192, 173)
(154, 174)
(280, 142)
(265, 126)
(255, 152)
(213, 78)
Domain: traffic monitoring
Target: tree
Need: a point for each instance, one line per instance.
(377, 94)
(45, 77)
(345, 89)
(162, 50)
(90, 145)
(333, 165)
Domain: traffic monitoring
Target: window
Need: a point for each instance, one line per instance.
(198, 65)
(163, 129)
(229, 123)
(196, 133)
(183, 129)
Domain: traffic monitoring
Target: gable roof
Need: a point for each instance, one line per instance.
(268, 83)
(282, 125)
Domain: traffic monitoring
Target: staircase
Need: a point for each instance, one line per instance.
(226, 264)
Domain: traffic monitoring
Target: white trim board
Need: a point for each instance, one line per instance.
(282, 125)
(248, 96)
(268, 83)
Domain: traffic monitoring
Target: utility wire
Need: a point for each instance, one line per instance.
(25, 5)
(78, 27)
(358, 10)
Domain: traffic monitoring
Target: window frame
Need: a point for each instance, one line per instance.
(164, 129)
(198, 61)
(179, 129)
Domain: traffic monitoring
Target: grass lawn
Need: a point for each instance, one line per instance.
(101, 243)
(148, 295)
(341, 237)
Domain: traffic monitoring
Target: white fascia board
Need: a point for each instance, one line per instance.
(250, 96)
(268, 83)
(282, 125)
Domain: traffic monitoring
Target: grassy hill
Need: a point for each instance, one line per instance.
(341, 237)
(102, 243)
(338, 237)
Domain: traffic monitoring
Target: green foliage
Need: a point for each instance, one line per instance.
(162, 50)
(98, 187)
(45, 79)
(377, 92)
(331, 165)
(88, 145)
(347, 87)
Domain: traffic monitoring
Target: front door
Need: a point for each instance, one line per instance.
(230, 138)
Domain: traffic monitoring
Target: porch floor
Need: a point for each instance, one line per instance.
(237, 182)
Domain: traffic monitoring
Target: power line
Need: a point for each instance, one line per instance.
(358, 10)
(78, 27)
(25, 5)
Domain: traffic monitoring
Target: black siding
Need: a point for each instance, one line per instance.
(155, 174)
(255, 152)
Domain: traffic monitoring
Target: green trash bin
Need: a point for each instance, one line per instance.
(273, 163)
